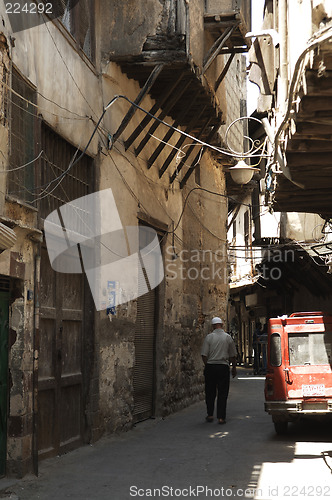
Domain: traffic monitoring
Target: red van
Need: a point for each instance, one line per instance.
(299, 376)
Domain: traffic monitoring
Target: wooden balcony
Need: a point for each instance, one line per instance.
(168, 53)
(309, 143)
(221, 16)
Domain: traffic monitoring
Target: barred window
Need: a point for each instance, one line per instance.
(23, 121)
(56, 158)
(78, 18)
(4, 74)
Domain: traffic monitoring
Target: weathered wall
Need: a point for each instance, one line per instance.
(18, 263)
(195, 284)
(77, 94)
(44, 55)
(195, 287)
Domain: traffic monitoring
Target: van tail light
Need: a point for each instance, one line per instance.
(269, 387)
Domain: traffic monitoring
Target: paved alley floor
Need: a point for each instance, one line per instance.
(182, 456)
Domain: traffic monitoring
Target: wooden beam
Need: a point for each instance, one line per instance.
(170, 132)
(318, 86)
(312, 130)
(152, 57)
(314, 119)
(216, 47)
(146, 88)
(181, 140)
(170, 104)
(192, 169)
(146, 120)
(190, 149)
(235, 214)
(312, 104)
(235, 50)
(216, 24)
(309, 159)
(311, 146)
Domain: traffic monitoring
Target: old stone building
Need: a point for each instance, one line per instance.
(289, 268)
(71, 371)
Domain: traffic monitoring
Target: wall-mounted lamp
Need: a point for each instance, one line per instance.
(242, 173)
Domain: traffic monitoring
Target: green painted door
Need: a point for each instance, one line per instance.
(4, 304)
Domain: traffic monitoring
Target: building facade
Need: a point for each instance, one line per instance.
(71, 372)
(290, 203)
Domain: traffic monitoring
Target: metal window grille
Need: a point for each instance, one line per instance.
(4, 77)
(78, 18)
(57, 155)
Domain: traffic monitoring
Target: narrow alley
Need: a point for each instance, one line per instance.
(183, 456)
(148, 198)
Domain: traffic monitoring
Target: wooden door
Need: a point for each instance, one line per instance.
(4, 305)
(60, 378)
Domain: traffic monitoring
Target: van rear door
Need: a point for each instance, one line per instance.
(308, 370)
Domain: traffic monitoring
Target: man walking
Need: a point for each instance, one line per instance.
(218, 349)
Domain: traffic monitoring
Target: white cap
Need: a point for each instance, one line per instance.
(216, 321)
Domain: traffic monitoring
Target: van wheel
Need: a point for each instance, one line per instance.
(281, 427)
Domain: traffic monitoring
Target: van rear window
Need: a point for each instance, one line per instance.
(310, 348)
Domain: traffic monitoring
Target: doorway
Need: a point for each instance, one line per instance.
(4, 317)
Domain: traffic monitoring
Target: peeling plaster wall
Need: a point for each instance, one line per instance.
(187, 301)
(44, 55)
(18, 263)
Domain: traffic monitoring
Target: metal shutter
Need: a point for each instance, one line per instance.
(144, 369)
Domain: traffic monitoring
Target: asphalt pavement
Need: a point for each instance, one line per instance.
(182, 456)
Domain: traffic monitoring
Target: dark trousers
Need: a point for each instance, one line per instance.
(216, 379)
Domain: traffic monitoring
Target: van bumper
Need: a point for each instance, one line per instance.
(298, 407)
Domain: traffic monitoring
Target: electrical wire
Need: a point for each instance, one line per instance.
(196, 140)
(156, 118)
(22, 166)
(178, 159)
(205, 227)
(40, 108)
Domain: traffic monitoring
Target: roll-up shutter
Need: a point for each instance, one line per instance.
(145, 334)
(144, 369)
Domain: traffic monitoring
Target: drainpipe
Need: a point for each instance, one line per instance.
(35, 362)
(283, 70)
